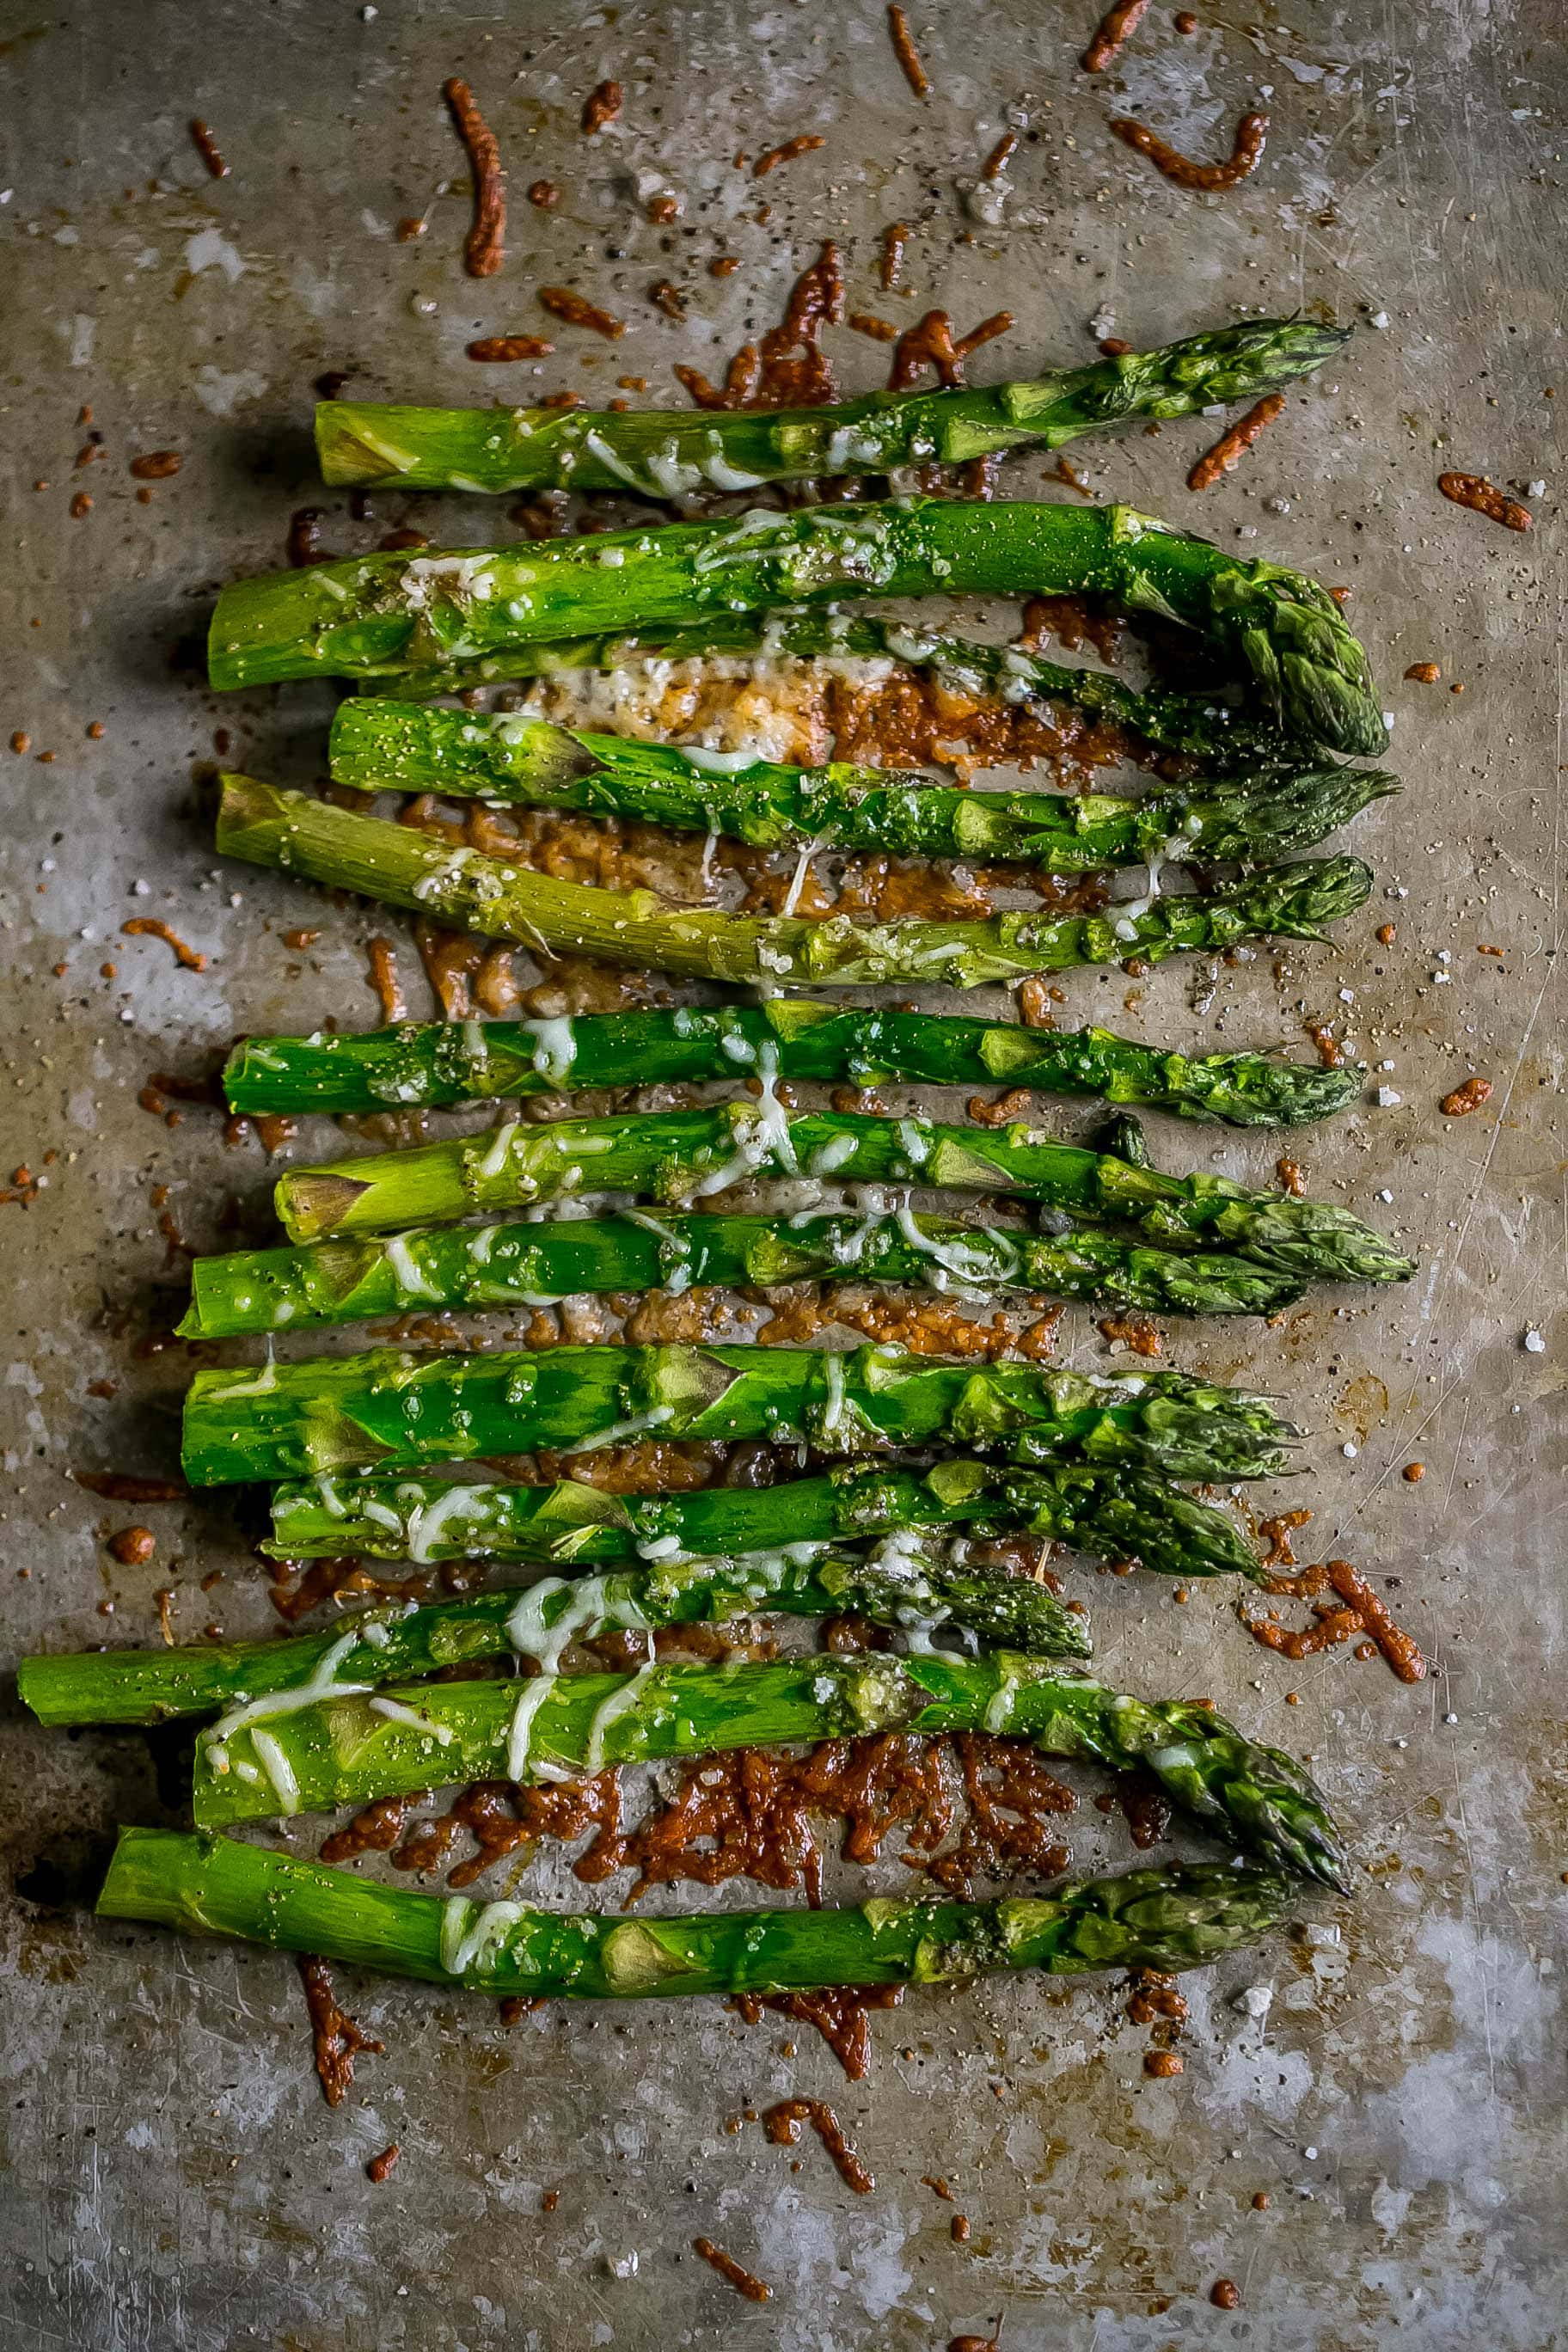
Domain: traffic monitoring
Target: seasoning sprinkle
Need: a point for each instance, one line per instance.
(905, 51)
(1212, 178)
(1232, 446)
(484, 247)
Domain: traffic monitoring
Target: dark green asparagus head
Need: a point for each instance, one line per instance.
(1310, 1240)
(1244, 362)
(1121, 1514)
(1293, 638)
(1179, 1442)
(1254, 1090)
(1171, 1919)
(1234, 363)
(1295, 901)
(1254, 820)
(1162, 1421)
(1179, 1445)
(1258, 1794)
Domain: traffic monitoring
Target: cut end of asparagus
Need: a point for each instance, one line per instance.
(309, 1204)
(243, 802)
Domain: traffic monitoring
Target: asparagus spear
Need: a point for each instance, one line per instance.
(922, 1597)
(531, 1264)
(668, 453)
(691, 1154)
(1215, 726)
(397, 612)
(414, 747)
(333, 1743)
(441, 1062)
(1111, 1512)
(388, 1408)
(1165, 1919)
(499, 901)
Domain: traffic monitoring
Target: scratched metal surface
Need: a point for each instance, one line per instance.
(171, 2177)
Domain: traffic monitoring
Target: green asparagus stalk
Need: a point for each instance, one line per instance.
(390, 1408)
(474, 892)
(689, 1153)
(535, 1264)
(669, 453)
(434, 1063)
(333, 1743)
(1109, 1512)
(397, 612)
(1216, 726)
(1166, 1919)
(414, 747)
(921, 1597)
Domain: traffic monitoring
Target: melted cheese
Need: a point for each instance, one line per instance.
(554, 1049)
(472, 1935)
(965, 1265)
(395, 1712)
(999, 1711)
(598, 447)
(405, 1267)
(834, 1153)
(320, 1684)
(797, 879)
(429, 1522)
(624, 1701)
(619, 1432)
(258, 1385)
(716, 763)
(522, 1764)
(762, 1132)
(495, 1158)
(279, 1770)
(833, 1411)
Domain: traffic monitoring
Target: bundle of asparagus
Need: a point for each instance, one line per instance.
(333, 1715)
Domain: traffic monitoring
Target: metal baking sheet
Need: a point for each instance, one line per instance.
(172, 2177)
